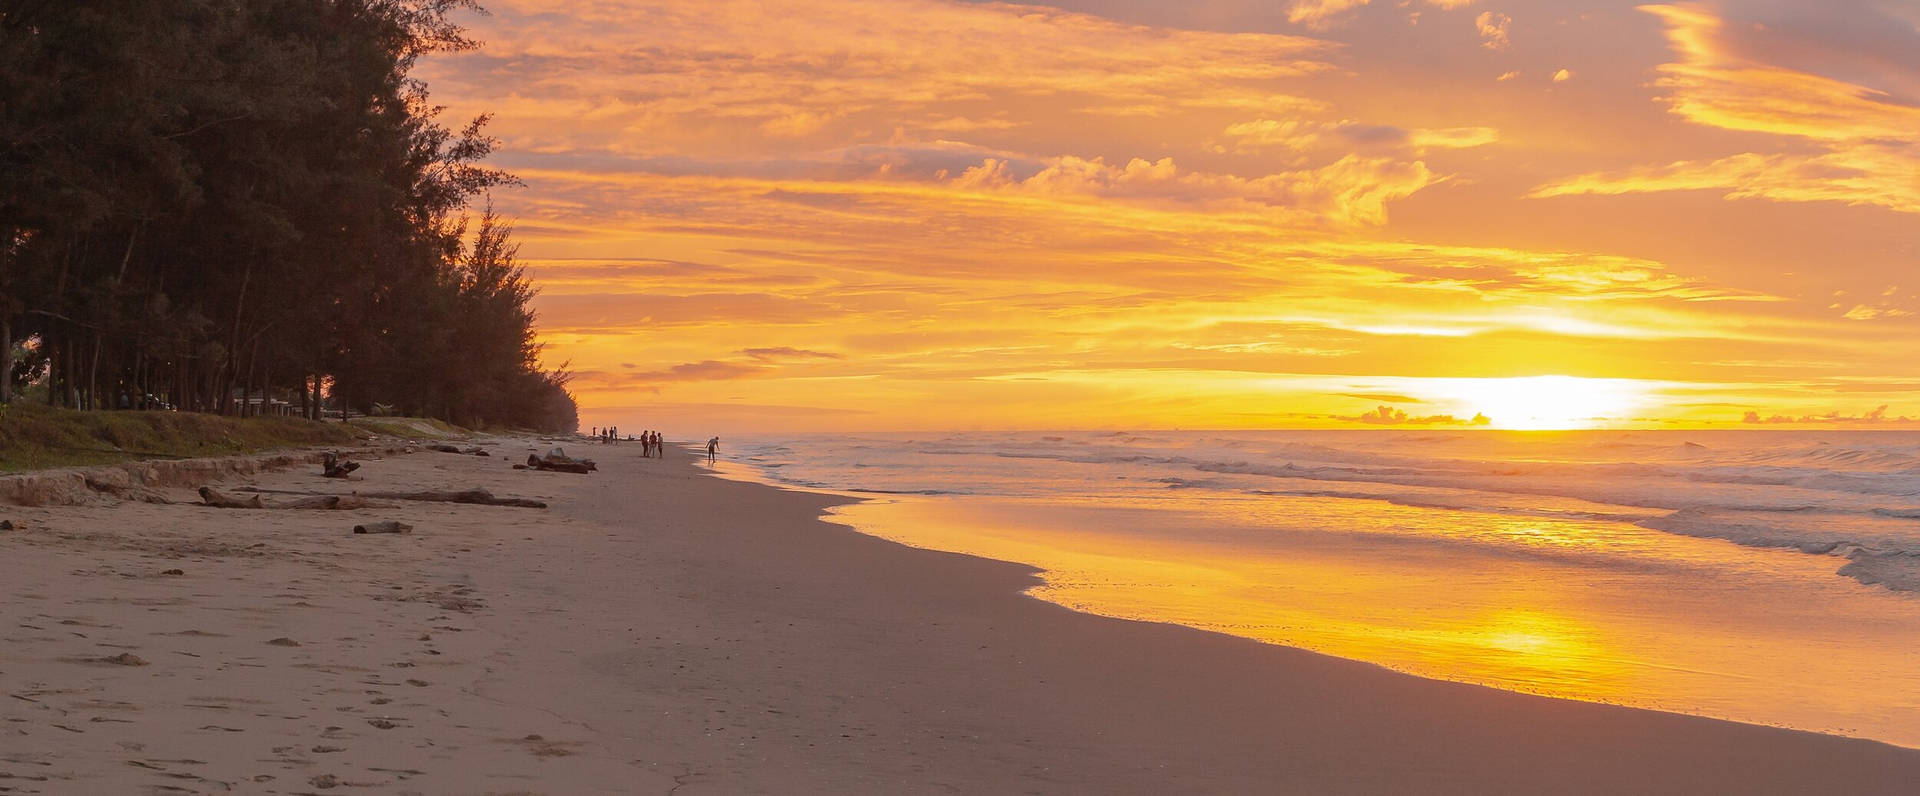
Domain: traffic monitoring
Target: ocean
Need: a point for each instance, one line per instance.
(1770, 577)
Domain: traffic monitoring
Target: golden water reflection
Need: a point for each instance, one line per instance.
(1524, 604)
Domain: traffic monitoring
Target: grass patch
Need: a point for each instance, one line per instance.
(36, 437)
(411, 427)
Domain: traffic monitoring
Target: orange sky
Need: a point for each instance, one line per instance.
(907, 214)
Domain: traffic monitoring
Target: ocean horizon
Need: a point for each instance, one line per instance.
(1762, 576)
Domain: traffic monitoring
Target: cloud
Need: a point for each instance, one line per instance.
(1877, 416)
(1563, 76)
(1865, 140)
(1350, 191)
(1866, 175)
(1321, 14)
(1862, 312)
(707, 370)
(1304, 135)
(787, 352)
(1493, 29)
(746, 76)
(1386, 397)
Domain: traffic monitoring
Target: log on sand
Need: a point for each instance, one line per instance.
(383, 527)
(479, 497)
(221, 500)
(444, 448)
(327, 502)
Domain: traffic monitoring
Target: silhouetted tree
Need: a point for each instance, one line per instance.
(203, 199)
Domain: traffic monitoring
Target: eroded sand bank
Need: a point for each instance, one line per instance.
(658, 630)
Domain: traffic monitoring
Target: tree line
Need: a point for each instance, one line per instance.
(224, 205)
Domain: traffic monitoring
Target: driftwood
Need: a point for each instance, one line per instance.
(332, 466)
(222, 500)
(479, 497)
(326, 502)
(558, 461)
(445, 448)
(218, 499)
(383, 527)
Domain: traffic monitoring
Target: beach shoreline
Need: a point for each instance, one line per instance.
(659, 629)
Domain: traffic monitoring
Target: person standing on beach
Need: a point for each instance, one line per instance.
(713, 449)
(646, 443)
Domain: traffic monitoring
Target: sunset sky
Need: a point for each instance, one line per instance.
(911, 214)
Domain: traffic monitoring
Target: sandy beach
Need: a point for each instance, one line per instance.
(661, 630)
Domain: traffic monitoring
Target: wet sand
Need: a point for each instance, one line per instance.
(659, 630)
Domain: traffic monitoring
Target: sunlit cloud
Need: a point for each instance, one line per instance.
(909, 213)
(1867, 140)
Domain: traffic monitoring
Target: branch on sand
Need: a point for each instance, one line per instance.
(332, 466)
(479, 497)
(222, 500)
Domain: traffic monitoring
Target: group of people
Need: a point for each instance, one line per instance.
(652, 445)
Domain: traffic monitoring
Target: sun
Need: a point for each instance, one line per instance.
(1546, 402)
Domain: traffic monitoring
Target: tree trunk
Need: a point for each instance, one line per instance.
(93, 377)
(6, 360)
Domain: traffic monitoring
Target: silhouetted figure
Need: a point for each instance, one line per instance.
(713, 449)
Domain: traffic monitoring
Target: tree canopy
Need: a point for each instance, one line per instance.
(211, 204)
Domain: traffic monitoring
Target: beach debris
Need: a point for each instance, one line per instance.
(478, 497)
(557, 460)
(324, 781)
(123, 659)
(474, 496)
(334, 466)
(6, 525)
(283, 641)
(221, 500)
(326, 503)
(175, 572)
(390, 526)
(218, 499)
(468, 451)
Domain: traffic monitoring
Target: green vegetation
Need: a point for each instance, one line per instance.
(250, 207)
(35, 437)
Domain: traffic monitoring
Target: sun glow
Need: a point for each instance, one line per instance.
(1538, 403)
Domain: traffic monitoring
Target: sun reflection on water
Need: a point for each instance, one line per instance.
(1492, 599)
